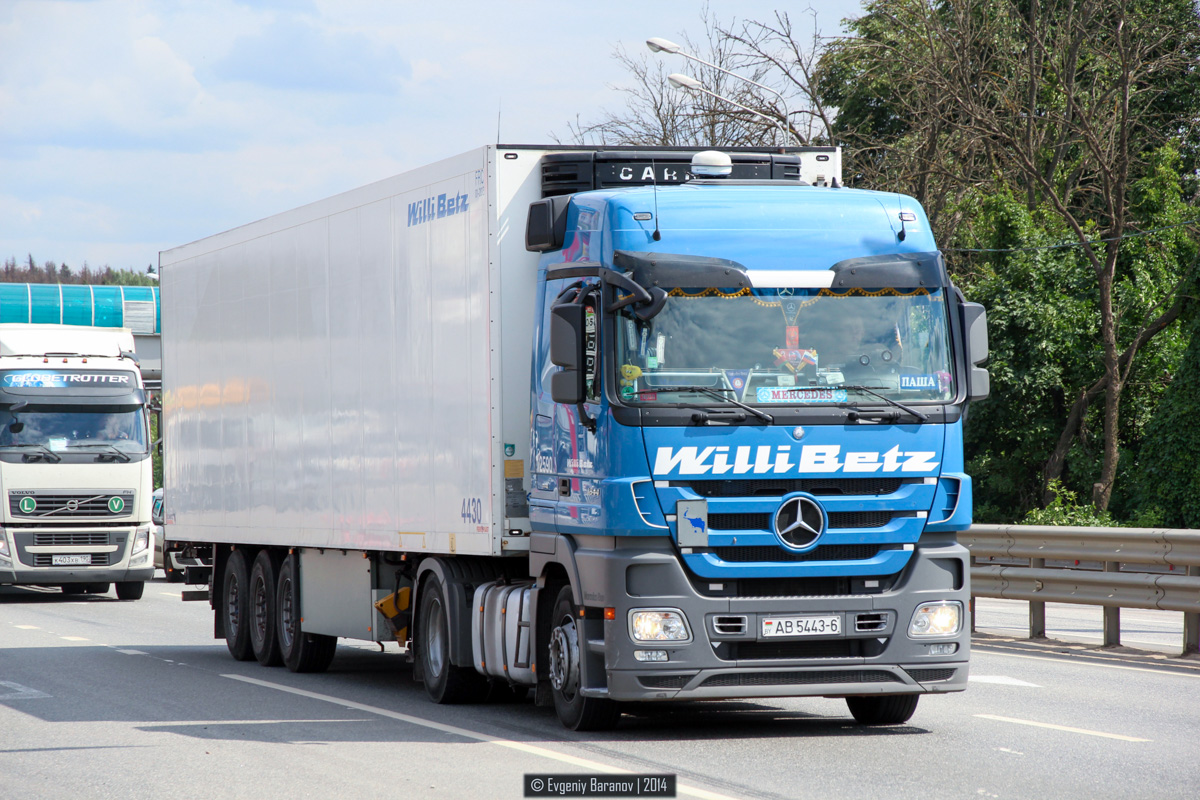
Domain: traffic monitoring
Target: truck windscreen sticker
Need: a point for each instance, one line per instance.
(50, 379)
(771, 394)
(778, 460)
(436, 207)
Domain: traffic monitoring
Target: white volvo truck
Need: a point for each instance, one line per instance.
(75, 467)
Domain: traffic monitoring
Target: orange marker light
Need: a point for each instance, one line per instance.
(610, 613)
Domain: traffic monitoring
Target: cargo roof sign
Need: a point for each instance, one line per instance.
(66, 379)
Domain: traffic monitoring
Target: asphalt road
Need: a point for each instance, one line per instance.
(107, 699)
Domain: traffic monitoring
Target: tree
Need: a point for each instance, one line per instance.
(1069, 99)
(660, 114)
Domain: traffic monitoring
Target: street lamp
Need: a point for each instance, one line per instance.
(690, 84)
(660, 45)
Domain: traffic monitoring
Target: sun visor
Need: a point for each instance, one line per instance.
(70, 387)
(896, 270)
(670, 270)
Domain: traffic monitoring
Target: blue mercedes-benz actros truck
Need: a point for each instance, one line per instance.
(748, 434)
(614, 425)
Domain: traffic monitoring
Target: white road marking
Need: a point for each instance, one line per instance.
(1064, 728)
(170, 594)
(29, 627)
(1002, 680)
(132, 652)
(74, 638)
(1061, 660)
(19, 692)
(682, 789)
(1010, 751)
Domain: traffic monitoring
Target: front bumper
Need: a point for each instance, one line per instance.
(49, 577)
(879, 658)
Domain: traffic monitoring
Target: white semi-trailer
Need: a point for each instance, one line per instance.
(615, 425)
(75, 467)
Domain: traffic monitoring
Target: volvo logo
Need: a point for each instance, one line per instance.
(799, 522)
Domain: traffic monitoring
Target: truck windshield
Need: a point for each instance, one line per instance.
(64, 428)
(788, 346)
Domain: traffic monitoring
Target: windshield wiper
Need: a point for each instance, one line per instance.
(43, 452)
(114, 451)
(717, 393)
(854, 413)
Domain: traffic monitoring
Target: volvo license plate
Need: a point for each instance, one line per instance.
(73, 560)
(810, 625)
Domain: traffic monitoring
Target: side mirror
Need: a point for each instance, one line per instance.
(566, 351)
(976, 341)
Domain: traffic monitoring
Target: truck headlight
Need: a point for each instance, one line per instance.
(943, 618)
(141, 539)
(658, 625)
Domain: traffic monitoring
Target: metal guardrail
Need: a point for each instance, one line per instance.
(1095, 571)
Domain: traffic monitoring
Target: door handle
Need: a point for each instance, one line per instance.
(564, 487)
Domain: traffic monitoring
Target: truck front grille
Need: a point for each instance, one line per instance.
(98, 560)
(827, 648)
(62, 538)
(94, 505)
(779, 487)
(665, 681)
(931, 675)
(799, 678)
(851, 552)
(762, 522)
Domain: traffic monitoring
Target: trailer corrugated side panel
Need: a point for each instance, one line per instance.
(328, 372)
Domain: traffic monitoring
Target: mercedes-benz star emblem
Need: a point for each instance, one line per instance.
(799, 522)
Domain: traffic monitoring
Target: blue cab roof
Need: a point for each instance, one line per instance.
(761, 226)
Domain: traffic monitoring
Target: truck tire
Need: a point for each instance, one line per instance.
(234, 607)
(301, 652)
(883, 709)
(575, 711)
(444, 682)
(129, 590)
(262, 615)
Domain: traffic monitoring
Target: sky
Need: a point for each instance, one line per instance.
(129, 127)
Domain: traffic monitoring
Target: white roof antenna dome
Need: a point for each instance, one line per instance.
(712, 164)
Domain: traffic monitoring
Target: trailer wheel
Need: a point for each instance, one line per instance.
(301, 652)
(129, 590)
(262, 616)
(577, 712)
(883, 709)
(233, 607)
(444, 682)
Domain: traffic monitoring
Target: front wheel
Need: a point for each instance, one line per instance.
(130, 590)
(883, 709)
(577, 712)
